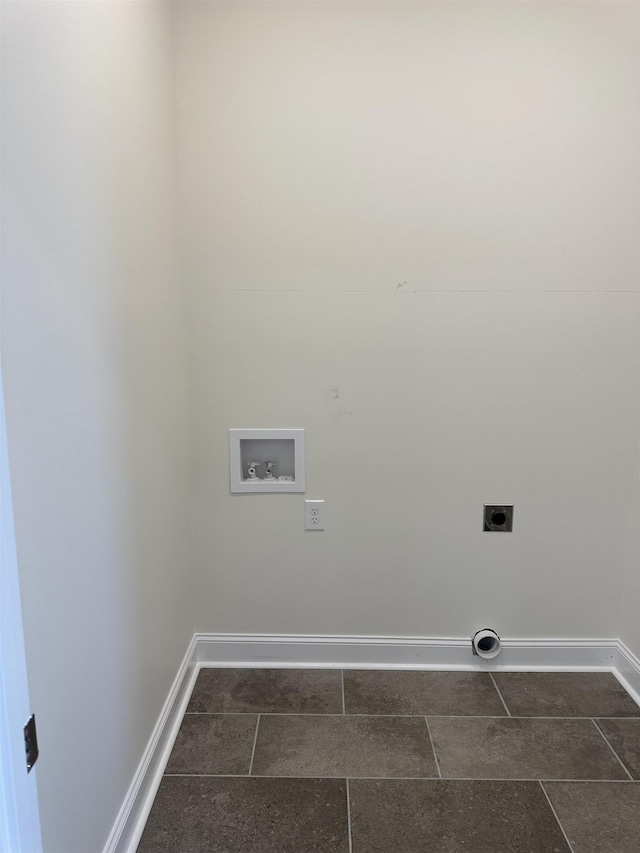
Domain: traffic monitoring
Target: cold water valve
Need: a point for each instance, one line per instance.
(251, 473)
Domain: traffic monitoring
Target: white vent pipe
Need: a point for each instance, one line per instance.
(486, 643)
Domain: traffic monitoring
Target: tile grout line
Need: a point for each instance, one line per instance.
(500, 695)
(565, 780)
(349, 818)
(555, 814)
(606, 739)
(323, 291)
(433, 748)
(255, 741)
(404, 716)
(344, 707)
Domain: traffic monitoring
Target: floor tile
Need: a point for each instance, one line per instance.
(343, 746)
(450, 817)
(214, 743)
(294, 691)
(208, 815)
(598, 817)
(565, 694)
(624, 737)
(522, 749)
(402, 692)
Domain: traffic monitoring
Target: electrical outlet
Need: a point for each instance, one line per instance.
(314, 515)
(498, 519)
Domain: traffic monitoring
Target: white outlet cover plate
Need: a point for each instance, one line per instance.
(239, 484)
(314, 515)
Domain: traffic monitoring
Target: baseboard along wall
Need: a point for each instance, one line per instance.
(274, 651)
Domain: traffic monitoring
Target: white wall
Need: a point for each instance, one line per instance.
(94, 360)
(412, 229)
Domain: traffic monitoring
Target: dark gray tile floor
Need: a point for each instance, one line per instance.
(321, 761)
(624, 737)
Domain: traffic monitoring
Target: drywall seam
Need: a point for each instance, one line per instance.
(184, 318)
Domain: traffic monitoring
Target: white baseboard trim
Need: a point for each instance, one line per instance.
(127, 829)
(230, 650)
(627, 670)
(285, 651)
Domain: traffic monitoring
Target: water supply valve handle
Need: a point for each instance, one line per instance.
(252, 470)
